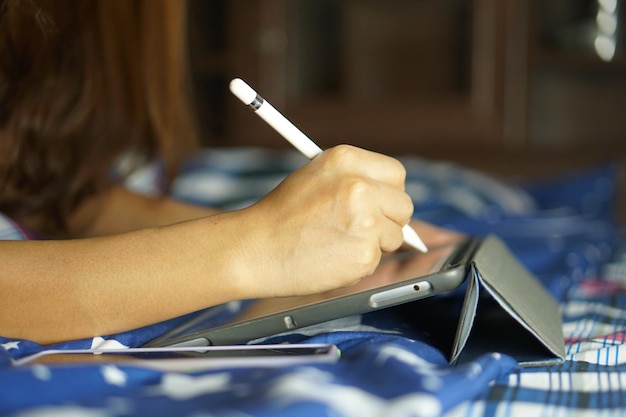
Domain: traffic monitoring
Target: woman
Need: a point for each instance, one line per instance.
(83, 84)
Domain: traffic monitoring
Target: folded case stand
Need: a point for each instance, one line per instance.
(504, 309)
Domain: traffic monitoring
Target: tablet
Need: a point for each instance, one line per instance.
(401, 277)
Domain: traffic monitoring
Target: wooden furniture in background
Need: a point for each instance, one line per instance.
(509, 86)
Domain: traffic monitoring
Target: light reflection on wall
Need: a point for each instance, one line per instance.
(606, 21)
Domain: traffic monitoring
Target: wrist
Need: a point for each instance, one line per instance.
(234, 254)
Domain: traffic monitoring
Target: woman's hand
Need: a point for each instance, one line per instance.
(328, 223)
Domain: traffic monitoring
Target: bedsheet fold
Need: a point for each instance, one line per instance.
(562, 229)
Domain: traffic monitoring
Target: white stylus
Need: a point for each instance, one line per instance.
(299, 140)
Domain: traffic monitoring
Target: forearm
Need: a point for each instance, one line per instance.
(60, 290)
(120, 210)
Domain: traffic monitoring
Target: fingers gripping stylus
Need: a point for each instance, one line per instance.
(299, 140)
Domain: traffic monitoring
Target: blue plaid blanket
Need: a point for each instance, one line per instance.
(563, 230)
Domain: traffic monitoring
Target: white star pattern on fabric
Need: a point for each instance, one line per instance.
(42, 372)
(114, 375)
(184, 387)
(102, 343)
(433, 383)
(11, 345)
(311, 384)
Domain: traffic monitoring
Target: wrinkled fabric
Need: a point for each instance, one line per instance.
(561, 229)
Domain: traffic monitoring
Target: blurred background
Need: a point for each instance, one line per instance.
(514, 87)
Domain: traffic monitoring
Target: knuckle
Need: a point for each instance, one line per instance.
(342, 153)
(357, 188)
(408, 207)
(397, 172)
(369, 259)
(368, 222)
(365, 224)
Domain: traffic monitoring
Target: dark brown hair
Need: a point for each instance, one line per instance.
(82, 83)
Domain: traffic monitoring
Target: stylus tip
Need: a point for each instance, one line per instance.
(412, 238)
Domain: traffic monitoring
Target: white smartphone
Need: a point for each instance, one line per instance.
(190, 359)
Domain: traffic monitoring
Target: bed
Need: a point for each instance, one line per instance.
(563, 229)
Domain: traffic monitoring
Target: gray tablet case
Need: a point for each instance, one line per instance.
(504, 309)
(519, 317)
